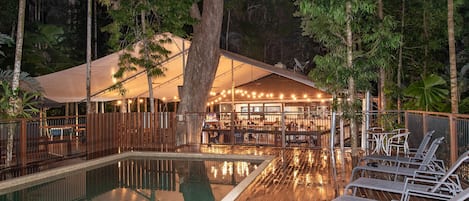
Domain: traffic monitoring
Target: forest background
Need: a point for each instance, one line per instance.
(265, 30)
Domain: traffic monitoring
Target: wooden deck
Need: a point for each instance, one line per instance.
(299, 174)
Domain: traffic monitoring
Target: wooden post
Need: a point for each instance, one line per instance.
(453, 139)
(406, 121)
(424, 121)
(23, 140)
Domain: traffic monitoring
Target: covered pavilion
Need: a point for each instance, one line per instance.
(234, 71)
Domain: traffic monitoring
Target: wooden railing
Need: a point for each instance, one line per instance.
(111, 133)
(34, 144)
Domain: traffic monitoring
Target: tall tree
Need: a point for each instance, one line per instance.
(382, 70)
(399, 65)
(202, 63)
(452, 59)
(88, 58)
(15, 101)
(351, 79)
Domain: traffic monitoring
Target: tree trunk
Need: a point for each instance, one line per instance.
(15, 102)
(351, 83)
(147, 57)
(95, 30)
(88, 58)
(382, 71)
(425, 36)
(399, 65)
(199, 74)
(452, 60)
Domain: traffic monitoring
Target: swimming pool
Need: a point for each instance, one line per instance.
(142, 176)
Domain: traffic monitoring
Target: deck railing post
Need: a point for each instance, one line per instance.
(406, 120)
(453, 139)
(424, 122)
(23, 140)
(283, 129)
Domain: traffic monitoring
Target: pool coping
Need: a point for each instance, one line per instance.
(56, 173)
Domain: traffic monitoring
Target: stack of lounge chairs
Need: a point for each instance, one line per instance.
(419, 175)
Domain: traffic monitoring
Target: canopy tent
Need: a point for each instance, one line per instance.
(70, 85)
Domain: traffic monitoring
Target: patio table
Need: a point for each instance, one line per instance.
(380, 139)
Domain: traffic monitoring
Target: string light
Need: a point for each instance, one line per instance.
(258, 95)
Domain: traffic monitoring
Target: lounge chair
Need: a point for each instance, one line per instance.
(351, 198)
(444, 186)
(405, 168)
(415, 154)
(461, 196)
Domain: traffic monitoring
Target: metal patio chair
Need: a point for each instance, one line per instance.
(398, 142)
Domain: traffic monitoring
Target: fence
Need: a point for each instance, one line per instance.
(37, 141)
(111, 133)
(454, 127)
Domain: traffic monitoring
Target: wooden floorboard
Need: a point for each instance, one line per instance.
(298, 174)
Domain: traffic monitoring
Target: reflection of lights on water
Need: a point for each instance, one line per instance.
(242, 168)
(119, 164)
(226, 167)
(214, 171)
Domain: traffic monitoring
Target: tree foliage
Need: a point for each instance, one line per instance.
(28, 99)
(128, 34)
(5, 40)
(373, 42)
(429, 94)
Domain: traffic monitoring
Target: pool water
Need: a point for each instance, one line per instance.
(143, 179)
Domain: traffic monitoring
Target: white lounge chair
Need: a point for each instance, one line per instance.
(461, 196)
(405, 168)
(446, 185)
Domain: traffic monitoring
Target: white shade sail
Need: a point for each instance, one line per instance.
(70, 85)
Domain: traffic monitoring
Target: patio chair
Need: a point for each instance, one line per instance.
(414, 154)
(405, 168)
(428, 184)
(398, 141)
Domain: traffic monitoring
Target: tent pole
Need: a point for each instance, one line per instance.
(76, 118)
(138, 104)
(233, 109)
